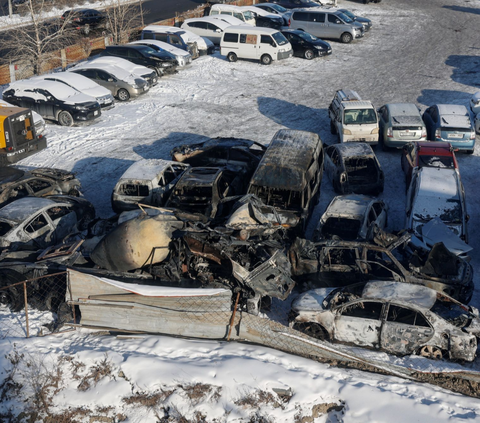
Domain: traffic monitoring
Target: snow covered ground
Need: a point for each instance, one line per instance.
(423, 51)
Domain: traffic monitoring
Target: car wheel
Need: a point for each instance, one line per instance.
(429, 351)
(232, 57)
(86, 29)
(333, 128)
(266, 59)
(123, 94)
(65, 118)
(346, 38)
(385, 147)
(311, 329)
(309, 54)
(153, 68)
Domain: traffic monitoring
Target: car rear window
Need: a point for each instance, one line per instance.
(436, 161)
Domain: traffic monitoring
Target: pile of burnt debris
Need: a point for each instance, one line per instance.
(228, 213)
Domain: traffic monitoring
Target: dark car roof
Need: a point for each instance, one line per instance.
(10, 174)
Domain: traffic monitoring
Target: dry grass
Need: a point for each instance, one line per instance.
(148, 399)
(257, 398)
(198, 392)
(96, 373)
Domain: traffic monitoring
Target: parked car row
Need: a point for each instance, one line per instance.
(395, 124)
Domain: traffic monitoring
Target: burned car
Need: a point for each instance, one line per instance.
(290, 174)
(350, 217)
(234, 153)
(394, 317)
(146, 182)
(203, 189)
(32, 223)
(16, 183)
(354, 168)
(340, 263)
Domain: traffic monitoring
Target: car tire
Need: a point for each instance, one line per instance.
(65, 118)
(333, 128)
(86, 29)
(309, 54)
(123, 94)
(266, 59)
(312, 329)
(346, 38)
(429, 351)
(232, 57)
(157, 71)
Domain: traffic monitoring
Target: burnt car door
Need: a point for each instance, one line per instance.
(359, 322)
(63, 220)
(405, 330)
(332, 163)
(165, 184)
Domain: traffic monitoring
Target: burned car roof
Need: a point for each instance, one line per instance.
(354, 150)
(200, 177)
(287, 157)
(352, 205)
(400, 292)
(147, 169)
(10, 174)
(20, 209)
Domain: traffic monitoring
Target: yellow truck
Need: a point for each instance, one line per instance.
(18, 137)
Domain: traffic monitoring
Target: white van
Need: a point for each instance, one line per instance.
(264, 44)
(227, 9)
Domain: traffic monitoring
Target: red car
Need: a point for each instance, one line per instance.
(427, 153)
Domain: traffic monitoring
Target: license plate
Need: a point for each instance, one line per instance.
(95, 113)
(16, 152)
(407, 134)
(454, 136)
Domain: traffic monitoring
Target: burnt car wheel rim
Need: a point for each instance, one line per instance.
(311, 329)
(430, 351)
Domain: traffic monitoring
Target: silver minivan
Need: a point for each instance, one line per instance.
(324, 23)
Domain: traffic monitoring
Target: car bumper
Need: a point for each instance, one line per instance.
(27, 149)
(359, 34)
(84, 115)
(460, 145)
(284, 54)
(399, 143)
(369, 139)
(324, 52)
(135, 92)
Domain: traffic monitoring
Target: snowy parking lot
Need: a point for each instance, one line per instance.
(423, 52)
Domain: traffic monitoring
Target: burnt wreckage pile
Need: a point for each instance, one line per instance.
(231, 213)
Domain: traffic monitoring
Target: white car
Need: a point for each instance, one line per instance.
(82, 84)
(207, 27)
(141, 71)
(475, 103)
(351, 217)
(183, 57)
(38, 121)
(264, 18)
(232, 20)
(178, 37)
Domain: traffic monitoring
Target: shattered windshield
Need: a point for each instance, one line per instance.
(449, 212)
(436, 161)
(453, 313)
(359, 116)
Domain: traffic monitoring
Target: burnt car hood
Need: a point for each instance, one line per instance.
(311, 300)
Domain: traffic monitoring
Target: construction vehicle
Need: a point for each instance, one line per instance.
(18, 136)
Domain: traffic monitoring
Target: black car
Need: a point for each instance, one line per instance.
(162, 62)
(306, 45)
(293, 4)
(86, 19)
(268, 21)
(367, 23)
(274, 9)
(53, 100)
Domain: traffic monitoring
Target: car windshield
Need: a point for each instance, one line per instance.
(349, 14)
(278, 8)
(279, 38)
(248, 15)
(344, 17)
(346, 229)
(436, 161)
(148, 50)
(456, 314)
(359, 116)
(449, 211)
(307, 37)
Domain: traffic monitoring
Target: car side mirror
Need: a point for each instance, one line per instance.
(110, 79)
(338, 21)
(218, 30)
